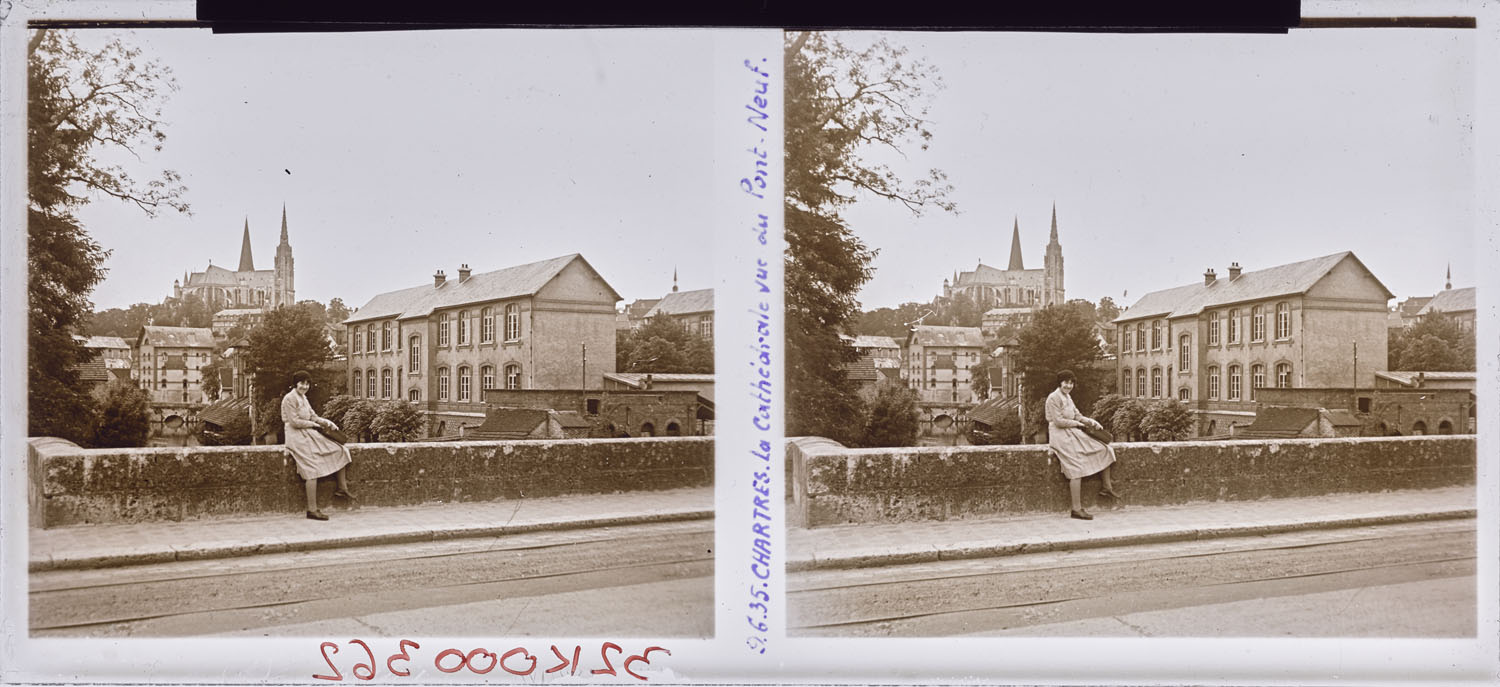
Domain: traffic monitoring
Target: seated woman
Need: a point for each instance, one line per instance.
(316, 455)
(1080, 454)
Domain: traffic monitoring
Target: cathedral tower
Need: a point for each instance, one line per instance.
(247, 261)
(1053, 279)
(285, 293)
(1015, 247)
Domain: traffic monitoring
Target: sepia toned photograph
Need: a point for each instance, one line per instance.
(1132, 335)
(369, 333)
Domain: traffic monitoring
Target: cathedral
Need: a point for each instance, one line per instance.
(245, 287)
(1015, 286)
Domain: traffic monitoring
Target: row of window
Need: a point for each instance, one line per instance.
(1134, 338)
(366, 382)
(367, 339)
(1133, 383)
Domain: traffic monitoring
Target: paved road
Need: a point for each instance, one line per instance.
(1414, 580)
(644, 580)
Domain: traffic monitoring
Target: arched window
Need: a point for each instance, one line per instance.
(359, 382)
(415, 348)
(648, 430)
(370, 338)
(1419, 429)
(414, 395)
(512, 376)
(1125, 380)
(1234, 382)
(464, 381)
(673, 430)
(487, 377)
(1234, 326)
(1283, 320)
(1257, 324)
(487, 325)
(463, 327)
(1155, 335)
(513, 322)
(1283, 375)
(1257, 379)
(1140, 382)
(1182, 394)
(1184, 353)
(356, 334)
(1127, 338)
(1213, 383)
(443, 330)
(385, 383)
(1213, 425)
(442, 380)
(1213, 328)
(1445, 427)
(385, 336)
(1155, 382)
(370, 383)
(1140, 336)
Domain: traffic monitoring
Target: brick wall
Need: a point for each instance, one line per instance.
(838, 485)
(74, 486)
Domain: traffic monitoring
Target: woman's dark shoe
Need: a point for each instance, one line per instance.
(1110, 493)
(341, 494)
(1081, 515)
(316, 515)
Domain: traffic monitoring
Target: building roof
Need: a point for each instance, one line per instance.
(875, 342)
(239, 312)
(935, 335)
(511, 282)
(1409, 377)
(984, 274)
(1412, 306)
(177, 337)
(862, 370)
(1282, 280)
(93, 372)
(105, 342)
(510, 423)
(1274, 422)
(994, 409)
(570, 419)
(225, 410)
(635, 378)
(683, 303)
(1449, 300)
(1341, 417)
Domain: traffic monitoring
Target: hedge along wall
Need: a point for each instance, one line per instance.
(74, 486)
(836, 485)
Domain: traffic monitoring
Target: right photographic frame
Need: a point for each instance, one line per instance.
(1135, 335)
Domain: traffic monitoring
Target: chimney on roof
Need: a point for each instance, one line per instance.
(463, 273)
(1209, 277)
(438, 279)
(1234, 270)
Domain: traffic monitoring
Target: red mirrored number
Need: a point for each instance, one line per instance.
(336, 676)
(369, 668)
(477, 653)
(406, 645)
(643, 657)
(609, 668)
(523, 653)
(438, 662)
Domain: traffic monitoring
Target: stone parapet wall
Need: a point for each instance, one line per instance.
(72, 486)
(835, 485)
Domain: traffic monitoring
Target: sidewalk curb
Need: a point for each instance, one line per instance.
(1024, 547)
(171, 554)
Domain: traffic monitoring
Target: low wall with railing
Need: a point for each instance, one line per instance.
(836, 485)
(72, 486)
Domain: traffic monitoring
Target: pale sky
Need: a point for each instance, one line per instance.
(1169, 154)
(401, 153)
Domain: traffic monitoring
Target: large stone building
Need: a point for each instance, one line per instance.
(1014, 292)
(940, 363)
(543, 325)
(691, 310)
(170, 362)
(1315, 323)
(244, 287)
(1457, 304)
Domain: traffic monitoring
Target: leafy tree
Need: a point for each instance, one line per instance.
(1125, 424)
(396, 421)
(893, 419)
(288, 340)
(1167, 420)
(1107, 310)
(80, 103)
(892, 322)
(1105, 407)
(662, 346)
(358, 420)
(124, 419)
(1436, 344)
(841, 102)
(1058, 338)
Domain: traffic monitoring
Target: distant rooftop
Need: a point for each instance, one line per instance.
(1450, 300)
(683, 303)
(1282, 280)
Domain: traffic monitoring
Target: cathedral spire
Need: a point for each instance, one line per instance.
(247, 262)
(674, 280)
(283, 223)
(1054, 223)
(1015, 247)
(1449, 283)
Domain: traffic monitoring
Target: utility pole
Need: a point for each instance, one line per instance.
(583, 381)
(1356, 364)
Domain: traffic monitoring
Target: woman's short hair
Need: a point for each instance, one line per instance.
(301, 376)
(1066, 376)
